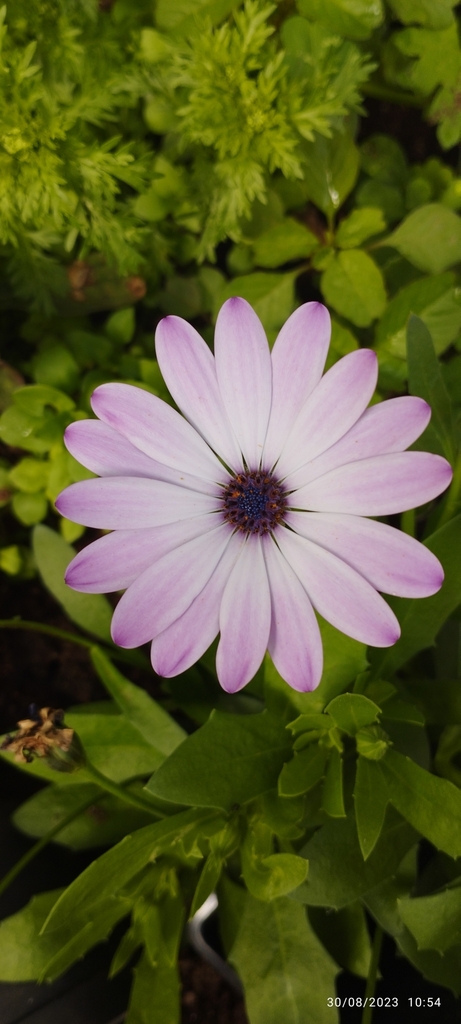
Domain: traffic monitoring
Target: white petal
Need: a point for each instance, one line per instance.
(244, 619)
(295, 644)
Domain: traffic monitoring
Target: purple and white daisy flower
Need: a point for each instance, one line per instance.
(247, 513)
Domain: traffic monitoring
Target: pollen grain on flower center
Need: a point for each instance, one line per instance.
(254, 502)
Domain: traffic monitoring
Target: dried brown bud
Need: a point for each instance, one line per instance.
(136, 286)
(78, 273)
(45, 736)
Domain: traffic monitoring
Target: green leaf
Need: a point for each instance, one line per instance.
(351, 711)
(154, 724)
(34, 398)
(434, 921)
(435, 300)
(230, 760)
(431, 13)
(104, 823)
(345, 935)
(332, 167)
(269, 875)
(425, 379)
(57, 368)
(354, 286)
(332, 793)
(120, 326)
(90, 611)
(23, 951)
(29, 508)
(430, 238)
(95, 925)
(181, 16)
(383, 158)
(29, 475)
(337, 872)
(271, 295)
(421, 620)
(371, 799)
(342, 342)
(154, 998)
(287, 974)
(287, 241)
(110, 873)
(303, 772)
(358, 226)
(432, 805)
(354, 19)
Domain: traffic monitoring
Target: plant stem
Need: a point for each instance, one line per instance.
(47, 838)
(132, 657)
(119, 791)
(383, 92)
(372, 973)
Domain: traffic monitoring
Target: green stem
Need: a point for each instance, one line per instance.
(372, 974)
(383, 92)
(132, 657)
(47, 838)
(119, 791)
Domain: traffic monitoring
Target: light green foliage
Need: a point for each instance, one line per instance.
(102, 824)
(353, 285)
(354, 19)
(430, 238)
(53, 554)
(274, 944)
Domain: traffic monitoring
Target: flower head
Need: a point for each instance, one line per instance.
(247, 512)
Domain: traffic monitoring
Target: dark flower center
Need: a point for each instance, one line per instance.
(254, 502)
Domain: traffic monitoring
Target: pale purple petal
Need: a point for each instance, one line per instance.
(164, 591)
(298, 359)
(340, 594)
(377, 487)
(189, 371)
(295, 644)
(114, 562)
(243, 367)
(245, 619)
(384, 428)
(389, 559)
(156, 429)
(107, 453)
(130, 503)
(333, 407)
(186, 640)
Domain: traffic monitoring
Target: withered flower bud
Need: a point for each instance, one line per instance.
(45, 735)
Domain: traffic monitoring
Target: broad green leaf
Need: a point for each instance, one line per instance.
(287, 241)
(358, 226)
(29, 508)
(371, 799)
(94, 925)
(351, 711)
(57, 368)
(342, 342)
(230, 760)
(154, 724)
(34, 398)
(102, 824)
(434, 921)
(425, 379)
(283, 815)
(388, 198)
(23, 951)
(271, 295)
(430, 238)
(421, 59)
(303, 771)
(287, 974)
(421, 620)
(383, 158)
(431, 13)
(355, 19)
(90, 611)
(304, 723)
(332, 166)
(180, 16)
(120, 326)
(154, 998)
(345, 935)
(353, 285)
(108, 874)
(332, 793)
(29, 475)
(384, 903)
(432, 805)
(435, 300)
(337, 872)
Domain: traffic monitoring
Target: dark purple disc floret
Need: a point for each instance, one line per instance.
(254, 502)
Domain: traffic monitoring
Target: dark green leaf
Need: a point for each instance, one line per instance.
(287, 974)
(432, 805)
(353, 18)
(230, 760)
(90, 611)
(345, 935)
(23, 951)
(436, 300)
(102, 824)
(269, 875)
(337, 872)
(425, 380)
(434, 921)
(332, 794)
(332, 169)
(371, 799)
(154, 724)
(303, 771)
(154, 997)
(94, 925)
